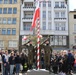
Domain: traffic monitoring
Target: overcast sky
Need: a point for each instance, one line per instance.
(72, 5)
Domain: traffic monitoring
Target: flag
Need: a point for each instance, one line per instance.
(36, 16)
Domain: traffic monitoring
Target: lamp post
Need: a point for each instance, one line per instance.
(20, 37)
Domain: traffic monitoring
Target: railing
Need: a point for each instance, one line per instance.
(27, 18)
(60, 18)
(28, 7)
(60, 7)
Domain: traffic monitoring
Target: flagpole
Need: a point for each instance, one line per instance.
(36, 21)
(38, 44)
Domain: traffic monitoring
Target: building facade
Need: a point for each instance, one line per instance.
(72, 29)
(53, 20)
(9, 24)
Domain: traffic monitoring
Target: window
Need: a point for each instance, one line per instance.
(3, 31)
(12, 43)
(57, 26)
(0, 1)
(63, 26)
(49, 14)
(44, 3)
(0, 31)
(1, 43)
(10, 1)
(75, 39)
(49, 4)
(4, 21)
(52, 40)
(74, 27)
(44, 26)
(27, 27)
(15, 1)
(9, 21)
(60, 40)
(56, 14)
(49, 25)
(0, 20)
(62, 4)
(5, 1)
(14, 10)
(9, 10)
(44, 14)
(8, 31)
(56, 4)
(74, 16)
(13, 31)
(39, 4)
(0, 10)
(62, 14)
(56, 40)
(14, 21)
(5, 11)
(64, 40)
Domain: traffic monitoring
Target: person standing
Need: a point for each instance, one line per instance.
(70, 61)
(11, 63)
(17, 63)
(5, 58)
(0, 61)
(24, 61)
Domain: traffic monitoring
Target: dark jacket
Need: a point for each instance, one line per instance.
(3, 58)
(11, 60)
(70, 59)
(23, 59)
(17, 59)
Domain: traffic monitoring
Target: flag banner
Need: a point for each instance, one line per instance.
(36, 16)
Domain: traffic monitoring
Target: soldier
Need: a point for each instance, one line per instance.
(30, 54)
(42, 58)
(48, 52)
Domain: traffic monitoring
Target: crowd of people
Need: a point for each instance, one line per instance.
(60, 62)
(64, 62)
(10, 63)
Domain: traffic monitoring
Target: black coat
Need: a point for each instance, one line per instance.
(17, 59)
(11, 60)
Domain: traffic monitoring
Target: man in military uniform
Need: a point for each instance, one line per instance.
(42, 54)
(30, 54)
(48, 52)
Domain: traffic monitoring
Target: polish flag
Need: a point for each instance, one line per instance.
(36, 16)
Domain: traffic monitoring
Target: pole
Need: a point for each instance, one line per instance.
(38, 44)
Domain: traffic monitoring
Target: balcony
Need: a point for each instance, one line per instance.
(24, 32)
(52, 32)
(28, 8)
(27, 19)
(60, 8)
(28, 0)
(60, 19)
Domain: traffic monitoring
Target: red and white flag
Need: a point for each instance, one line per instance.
(36, 16)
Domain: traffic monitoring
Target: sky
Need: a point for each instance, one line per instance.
(72, 5)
